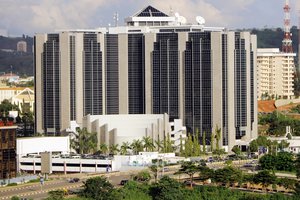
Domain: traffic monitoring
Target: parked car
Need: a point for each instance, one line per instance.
(188, 183)
(74, 180)
(123, 182)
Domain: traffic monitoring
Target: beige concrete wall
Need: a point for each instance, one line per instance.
(123, 73)
(79, 77)
(182, 38)
(254, 133)
(231, 91)
(64, 80)
(216, 47)
(246, 36)
(40, 39)
(149, 40)
(101, 40)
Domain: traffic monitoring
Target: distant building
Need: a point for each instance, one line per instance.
(9, 77)
(275, 74)
(24, 99)
(8, 93)
(8, 163)
(18, 96)
(22, 46)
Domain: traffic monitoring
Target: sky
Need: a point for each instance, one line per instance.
(28, 17)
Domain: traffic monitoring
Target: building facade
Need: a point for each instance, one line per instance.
(8, 160)
(275, 74)
(22, 46)
(155, 64)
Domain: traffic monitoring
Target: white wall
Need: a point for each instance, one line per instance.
(42, 144)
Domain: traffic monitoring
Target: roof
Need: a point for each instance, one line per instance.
(27, 95)
(266, 106)
(149, 11)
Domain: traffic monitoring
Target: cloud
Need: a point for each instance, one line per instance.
(31, 16)
(48, 15)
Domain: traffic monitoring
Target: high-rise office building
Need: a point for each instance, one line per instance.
(155, 64)
(275, 74)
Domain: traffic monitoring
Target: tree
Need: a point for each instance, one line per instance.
(264, 178)
(188, 146)
(84, 142)
(212, 138)
(158, 144)
(189, 168)
(167, 189)
(169, 145)
(137, 146)
(236, 149)
(114, 149)
(181, 150)
(268, 162)
(154, 169)
(6, 106)
(56, 195)
(103, 148)
(227, 175)
(297, 166)
(133, 190)
(143, 176)
(218, 137)
(205, 173)
(287, 183)
(148, 143)
(124, 148)
(204, 142)
(196, 144)
(283, 145)
(285, 161)
(98, 188)
(248, 179)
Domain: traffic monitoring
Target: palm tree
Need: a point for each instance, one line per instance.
(84, 141)
(124, 148)
(158, 144)
(103, 148)
(137, 146)
(113, 149)
(148, 143)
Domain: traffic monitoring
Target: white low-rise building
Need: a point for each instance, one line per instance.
(116, 129)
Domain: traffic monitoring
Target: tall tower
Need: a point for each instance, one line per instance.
(287, 40)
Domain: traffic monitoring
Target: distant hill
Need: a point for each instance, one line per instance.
(19, 63)
(22, 63)
(272, 38)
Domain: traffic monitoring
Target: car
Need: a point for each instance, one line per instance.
(248, 165)
(188, 183)
(123, 182)
(74, 180)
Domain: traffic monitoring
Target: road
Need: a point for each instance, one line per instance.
(36, 191)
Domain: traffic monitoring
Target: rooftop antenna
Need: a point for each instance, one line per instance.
(116, 18)
(171, 11)
(287, 39)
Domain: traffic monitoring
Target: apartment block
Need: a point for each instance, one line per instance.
(275, 74)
